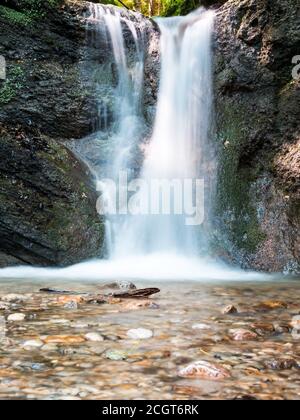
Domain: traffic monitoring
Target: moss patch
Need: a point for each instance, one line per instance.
(234, 204)
(13, 83)
(28, 11)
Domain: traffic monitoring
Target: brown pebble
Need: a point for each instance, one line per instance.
(229, 310)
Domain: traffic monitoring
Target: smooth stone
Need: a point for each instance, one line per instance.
(93, 336)
(16, 317)
(200, 327)
(33, 344)
(80, 325)
(49, 347)
(125, 285)
(263, 329)
(59, 321)
(64, 339)
(243, 335)
(14, 298)
(204, 370)
(139, 334)
(295, 323)
(229, 310)
(116, 355)
(281, 328)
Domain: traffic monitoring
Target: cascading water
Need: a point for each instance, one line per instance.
(160, 247)
(110, 24)
(179, 148)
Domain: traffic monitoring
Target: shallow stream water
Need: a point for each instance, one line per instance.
(188, 325)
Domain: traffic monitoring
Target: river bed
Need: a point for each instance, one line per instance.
(67, 349)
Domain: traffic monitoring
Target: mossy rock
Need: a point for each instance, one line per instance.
(47, 205)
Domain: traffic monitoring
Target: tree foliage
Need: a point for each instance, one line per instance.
(163, 7)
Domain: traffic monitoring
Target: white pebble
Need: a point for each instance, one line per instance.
(93, 336)
(16, 317)
(33, 343)
(200, 327)
(140, 334)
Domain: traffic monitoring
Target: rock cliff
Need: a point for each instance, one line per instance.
(258, 133)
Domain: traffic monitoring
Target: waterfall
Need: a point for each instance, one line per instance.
(179, 148)
(178, 153)
(146, 245)
(111, 24)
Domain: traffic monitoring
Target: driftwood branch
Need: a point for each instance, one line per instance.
(101, 298)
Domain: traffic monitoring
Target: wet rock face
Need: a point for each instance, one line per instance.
(257, 112)
(47, 204)
(49, 88)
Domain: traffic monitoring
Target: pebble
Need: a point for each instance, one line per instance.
(295, 323)
(59, 321)
(14, 298)
(139, 334)
(116, 355)
(243, 335)
(139, 304)
(263, 329)
(229, 310)
(64, 339)
(204, 370)
(71, 305)
(49, 347)
(281, 364)
(200, 327)
(281, 328)
(272, 304)
(16, 317)
(33, 344)
(126, 285)
(93, 336)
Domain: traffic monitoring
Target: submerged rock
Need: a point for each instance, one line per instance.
(93, 336)
(243, 335)
(270, 305)
(30, 344)
(16, 317)
(282, 364)
(63, 339)
(229, 310)
(204, 370)
(116, 355)
(14, 298)
(140, 334)
(263, 329)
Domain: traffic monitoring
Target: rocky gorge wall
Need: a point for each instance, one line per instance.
(258, 134)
